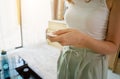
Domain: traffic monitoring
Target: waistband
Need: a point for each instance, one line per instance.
(83, 51)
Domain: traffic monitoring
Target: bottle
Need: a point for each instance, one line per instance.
(5, 65)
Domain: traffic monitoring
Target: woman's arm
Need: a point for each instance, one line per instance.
(113, 34)
(108, 46)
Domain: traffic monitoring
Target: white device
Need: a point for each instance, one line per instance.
(51, 34)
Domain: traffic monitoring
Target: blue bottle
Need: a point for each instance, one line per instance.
(5, 65)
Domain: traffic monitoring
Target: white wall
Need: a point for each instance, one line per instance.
(35, 16)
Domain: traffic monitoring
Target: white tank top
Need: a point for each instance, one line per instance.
(90, 18)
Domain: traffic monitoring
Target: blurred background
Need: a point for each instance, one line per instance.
(30, 15)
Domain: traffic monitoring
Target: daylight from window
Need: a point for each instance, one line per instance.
(35, 15)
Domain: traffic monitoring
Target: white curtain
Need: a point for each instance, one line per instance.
(35, 16)
(9, 28)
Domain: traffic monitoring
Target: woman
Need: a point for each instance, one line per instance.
(93, 34)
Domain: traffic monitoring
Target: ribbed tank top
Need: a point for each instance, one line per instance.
(90, 18)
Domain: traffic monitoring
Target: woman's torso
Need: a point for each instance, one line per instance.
(90, 18)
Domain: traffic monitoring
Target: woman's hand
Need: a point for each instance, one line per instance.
(68, 37)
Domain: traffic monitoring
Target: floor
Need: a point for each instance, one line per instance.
(45, 58)
(112, 75)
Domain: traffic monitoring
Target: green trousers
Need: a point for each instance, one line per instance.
(81, 63)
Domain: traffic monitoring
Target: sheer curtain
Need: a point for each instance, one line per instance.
(9, 28)
(35, 16)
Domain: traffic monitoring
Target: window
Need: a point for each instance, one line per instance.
(10, 36)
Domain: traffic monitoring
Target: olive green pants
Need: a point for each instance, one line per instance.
(81, 63)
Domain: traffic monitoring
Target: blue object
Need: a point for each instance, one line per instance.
(5, 65)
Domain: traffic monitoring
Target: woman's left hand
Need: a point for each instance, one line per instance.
(68, 37)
